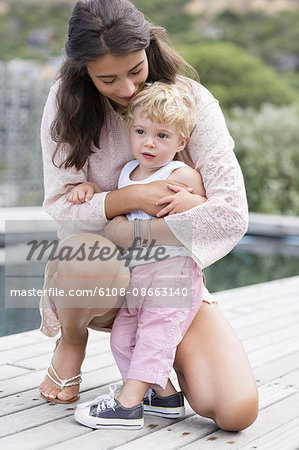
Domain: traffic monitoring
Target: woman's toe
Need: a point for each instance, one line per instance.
(52, 394)
(66, 394)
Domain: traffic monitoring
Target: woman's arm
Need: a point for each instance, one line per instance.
(139, 196)
(120, 232)
(216, 226)
(58, 182)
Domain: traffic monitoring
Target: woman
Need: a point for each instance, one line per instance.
(111, 51)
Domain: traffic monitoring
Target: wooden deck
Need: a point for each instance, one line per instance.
(265, 317)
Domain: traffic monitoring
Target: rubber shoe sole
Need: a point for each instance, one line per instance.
(111, 424)
(170, 413)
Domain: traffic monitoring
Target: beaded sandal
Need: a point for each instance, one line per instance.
(73, 381)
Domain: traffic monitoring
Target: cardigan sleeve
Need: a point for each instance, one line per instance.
(57, 183)
(211, 230)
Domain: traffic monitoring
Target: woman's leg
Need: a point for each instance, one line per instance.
(214, 372)
(79, 275)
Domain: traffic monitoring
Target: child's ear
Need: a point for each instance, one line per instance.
(183, 143)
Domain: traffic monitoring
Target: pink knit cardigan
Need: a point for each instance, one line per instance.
(209, 231)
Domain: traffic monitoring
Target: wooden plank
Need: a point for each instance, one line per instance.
(270, 395)
(67, 430)
(276, 368)
(174, 435)
(254, 294)
(92, 377)
(47, 412)
(44, 435)
(42, 362)
(30, 351)
(258, 357)
(271, 352)
(30, 381)
(285, 318)
(285, 437)
(270, 305)
(244, 316)
(182, 431)
(269, 419)
(274, 358)
(256, 315)
(257, 342)
(13, 341)
(292, 379)
(21, 339)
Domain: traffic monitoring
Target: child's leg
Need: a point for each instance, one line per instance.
(122, 343)
(122, 339)
(160, 329)
(133, 392)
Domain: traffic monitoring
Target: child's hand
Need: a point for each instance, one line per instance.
(82, 193)
(181, 201)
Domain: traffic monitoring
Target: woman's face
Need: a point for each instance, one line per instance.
(119, 78)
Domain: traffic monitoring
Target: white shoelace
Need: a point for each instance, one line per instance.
(149, 395)
(103, 401)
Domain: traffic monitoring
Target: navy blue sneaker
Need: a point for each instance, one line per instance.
(106, 412)
(171, 407)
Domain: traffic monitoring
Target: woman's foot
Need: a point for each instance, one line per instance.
(67, 360)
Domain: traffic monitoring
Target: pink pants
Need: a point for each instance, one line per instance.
(148, 328)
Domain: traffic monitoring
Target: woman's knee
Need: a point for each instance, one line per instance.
(89, 255)
(84, 280)
(237, 415)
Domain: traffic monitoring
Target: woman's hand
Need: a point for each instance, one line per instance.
(181, 201)
(152, 192)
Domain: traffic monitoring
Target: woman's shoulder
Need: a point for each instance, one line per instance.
(54, 87)
(52, 96)
(202, 95)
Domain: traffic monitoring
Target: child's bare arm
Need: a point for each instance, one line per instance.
(182, 200)
(83, 192)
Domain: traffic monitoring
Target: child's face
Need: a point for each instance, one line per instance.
(154, 144)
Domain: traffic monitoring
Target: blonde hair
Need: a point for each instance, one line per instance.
(172, 104)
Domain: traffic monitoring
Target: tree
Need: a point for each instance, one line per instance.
(235, 77)
(267, 150)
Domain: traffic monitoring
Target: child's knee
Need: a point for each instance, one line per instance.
(116, 342)
(121, 346)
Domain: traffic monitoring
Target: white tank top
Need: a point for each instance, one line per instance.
(125, 180)
(161, 174)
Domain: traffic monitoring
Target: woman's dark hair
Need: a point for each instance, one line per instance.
(98, 27)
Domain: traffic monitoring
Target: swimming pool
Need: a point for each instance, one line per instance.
(254, 260)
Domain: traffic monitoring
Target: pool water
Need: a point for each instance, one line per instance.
(254, 260)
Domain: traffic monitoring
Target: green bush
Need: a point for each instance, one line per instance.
(267, 149)
(275, 38)
(23, 18)
(235, 77)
